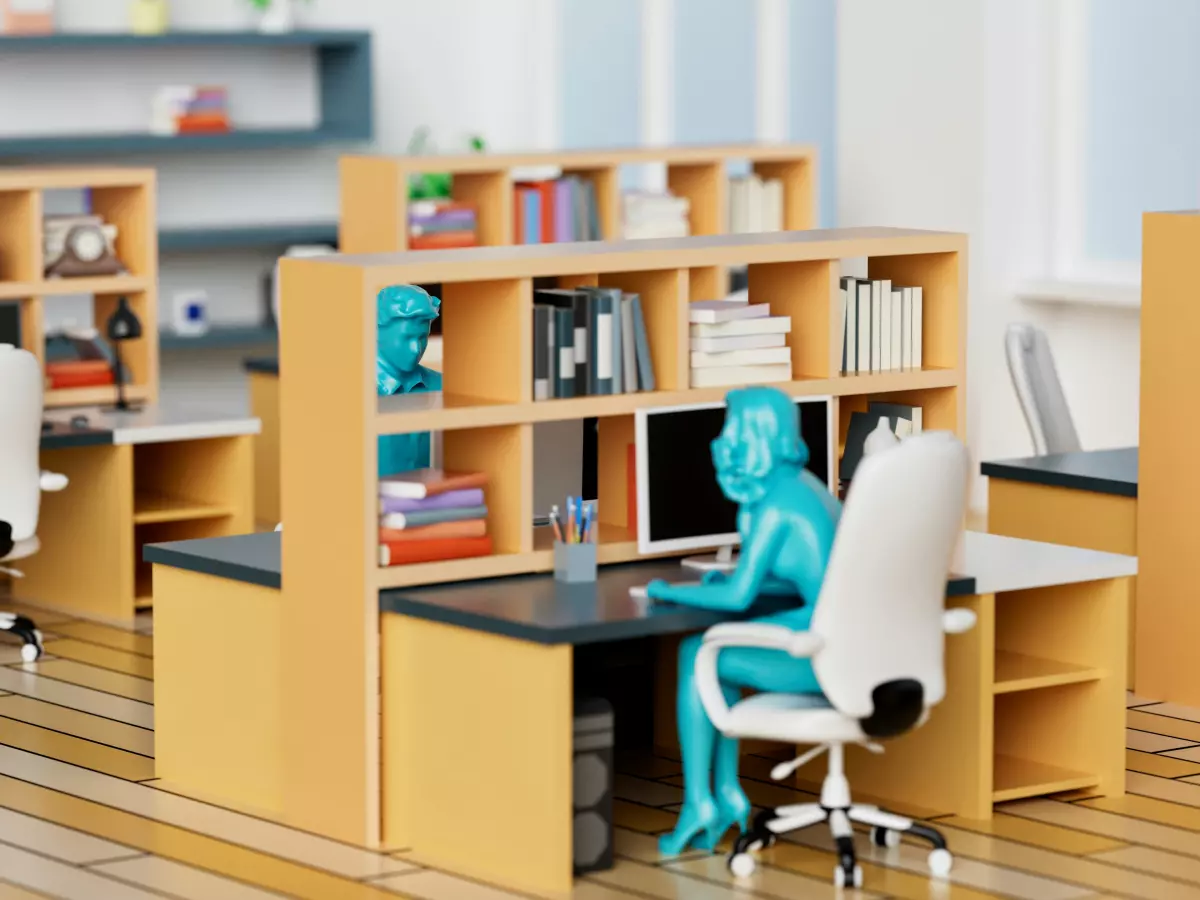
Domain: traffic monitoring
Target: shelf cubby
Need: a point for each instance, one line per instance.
(804, 291)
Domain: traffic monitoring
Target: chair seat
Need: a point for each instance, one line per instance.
(802, 718)
(23, 549)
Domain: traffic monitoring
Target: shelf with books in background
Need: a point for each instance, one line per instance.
(485, 415)
(112, 255)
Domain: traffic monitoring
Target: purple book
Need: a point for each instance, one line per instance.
(448, 500)
(466, 216)
(564, 211)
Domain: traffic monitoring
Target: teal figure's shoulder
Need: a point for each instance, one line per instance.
(431, 378)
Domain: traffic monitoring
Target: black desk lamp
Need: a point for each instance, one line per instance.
(123, 325)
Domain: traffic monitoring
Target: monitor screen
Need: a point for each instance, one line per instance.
(684, 506)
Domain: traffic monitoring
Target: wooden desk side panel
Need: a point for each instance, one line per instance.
(1168, 618)
(219, 735)
(264, 405)
(477, 744)
(86, 564)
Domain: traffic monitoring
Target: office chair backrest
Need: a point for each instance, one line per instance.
(20, 440)
(880, 609)
(1035, 378)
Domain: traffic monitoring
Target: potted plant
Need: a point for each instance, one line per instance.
(275, 16)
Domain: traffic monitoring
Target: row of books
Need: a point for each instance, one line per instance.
(190, 109)
(78, 358)
(558, 210)
(755, 205)
(588, 341)
(649, 215)
(441, 225)
(903, 420)
(736, 342)
(429, 515)
(881, 325)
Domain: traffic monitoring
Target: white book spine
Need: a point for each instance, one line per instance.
(863, 363)
(756, 357)
(735, 375)
(604, 346)
(541, 389)
(756, 205)
(566, 361)
(552, 355)
(885, 328)
(906, 347)
(876, 325)
(581, 342)
(897, 350)
(918, 326)
(739, 342)
(761, 325)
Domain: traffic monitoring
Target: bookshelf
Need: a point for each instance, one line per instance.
(487, 181)
(126, 199)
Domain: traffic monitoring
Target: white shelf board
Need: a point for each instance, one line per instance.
(1078, 293)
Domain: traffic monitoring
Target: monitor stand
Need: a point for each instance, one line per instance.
(723, 561)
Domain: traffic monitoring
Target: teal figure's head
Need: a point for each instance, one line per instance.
(405, 313)
(761, 435)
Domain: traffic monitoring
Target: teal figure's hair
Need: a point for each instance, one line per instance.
(770, 432)
(407, 301)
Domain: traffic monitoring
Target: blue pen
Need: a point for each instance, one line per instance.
(587, 523)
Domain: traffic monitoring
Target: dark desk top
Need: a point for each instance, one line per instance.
(267, 365)
(62, 435)
(1100, 471)
(529, 607)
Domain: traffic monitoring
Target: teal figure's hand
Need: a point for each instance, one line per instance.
(714, 576)
(658, 589)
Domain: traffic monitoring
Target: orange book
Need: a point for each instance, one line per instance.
(78, 366)
(80, 380)
(546, 189)
(467, 528)
(398, 553)
(631, 488)
(421, 483)
(442, 240)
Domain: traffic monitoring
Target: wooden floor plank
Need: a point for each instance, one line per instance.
(1148, 859)
(645, 819)
(64, 881)
(1163, 725)
(1096, 821)
(1161, 766)
(1153, 743)
(430, 885)
(767, 881)
(1163, 789)
(178, 880)
(104, 680)
(659, 882)
(120, 709)
(77, 751)
(1174, 711)
(10, 891)
(80, 724)
(1147, 808)
(1036, 834)
(107, 636)
(105, 658)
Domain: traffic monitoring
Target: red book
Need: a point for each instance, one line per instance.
(187, 126)
(78, 367)
(464, 528)
(442, 240)
(546, 189)
(79, 380)
(398, 553)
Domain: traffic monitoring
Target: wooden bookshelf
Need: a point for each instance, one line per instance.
(698, 173)
(125, 198)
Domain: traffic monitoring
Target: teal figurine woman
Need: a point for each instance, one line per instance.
(405, 315)
(786, 520)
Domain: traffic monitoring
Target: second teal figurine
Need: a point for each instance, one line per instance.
(786, 519)
(405, 314)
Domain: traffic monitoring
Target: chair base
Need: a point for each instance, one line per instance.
(31, 648)
(886, 831)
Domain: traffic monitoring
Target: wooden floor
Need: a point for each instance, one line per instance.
(81, 815)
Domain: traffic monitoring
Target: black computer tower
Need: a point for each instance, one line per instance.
(592, 785)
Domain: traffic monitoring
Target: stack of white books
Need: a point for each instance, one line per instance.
(755, 205)
(646, 215)
(735, 342)
(881, 324)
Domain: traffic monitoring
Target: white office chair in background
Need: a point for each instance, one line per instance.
(1031, 365)
(21, 479)
(876, 642)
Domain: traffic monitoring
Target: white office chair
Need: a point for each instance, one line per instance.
(1035, 378)
(876, 642)
(21, 480)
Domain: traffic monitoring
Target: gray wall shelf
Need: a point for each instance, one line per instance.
(344, 84)
(237, 237)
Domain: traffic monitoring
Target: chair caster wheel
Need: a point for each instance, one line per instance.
(884, 837)
(741, 865)
(30, 652)
(940, 862)
(848, 878)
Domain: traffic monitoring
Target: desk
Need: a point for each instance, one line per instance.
(477, 683)
(1084, 499)
(160, 473)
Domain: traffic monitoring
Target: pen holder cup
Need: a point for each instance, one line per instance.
(574, 563)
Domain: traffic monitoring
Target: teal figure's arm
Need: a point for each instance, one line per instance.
(737, 592)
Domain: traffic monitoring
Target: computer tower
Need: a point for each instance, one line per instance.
(592, 785)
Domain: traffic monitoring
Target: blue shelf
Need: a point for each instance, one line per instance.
(182, 240)
(344, 85)
(220, 337)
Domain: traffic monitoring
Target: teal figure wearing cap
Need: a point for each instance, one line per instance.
(405, 314)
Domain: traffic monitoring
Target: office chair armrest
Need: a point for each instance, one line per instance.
(769, 637)
(51, 482)
(958, 621)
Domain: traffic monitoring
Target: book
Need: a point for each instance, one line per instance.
(731, 375)
(767, 325)
(579, 197)
(463, 528)
(861, 424)
(897, 330)
(879, 287)
(600, 338)
(546, 213)
(446, 500)
(421, 483)
(64, 380)
(532, 216)
(628, 346)
(577, 301)
(564, 348)
(441, 225)
(850, 326)
(541, 351)
(841, 326)
(77, 366)
(707, 312)
(564, 210)
(906, 347)
(755, 357)
(896, 413)
(738, 342)
(862, 359)
(395, 553)
(918, 326)
(645, 365)
(593, 212)
(618, 359)
(420, 210)
(885, 327)
(443, 240)
(403, 520)
(519, 214)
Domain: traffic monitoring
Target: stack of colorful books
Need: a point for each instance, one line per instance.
(191, 110)
(441, 225)
(430, 514)
(78, 358)
(555, 209)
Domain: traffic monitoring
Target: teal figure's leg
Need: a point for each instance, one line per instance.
(733, 807)
(697, 738)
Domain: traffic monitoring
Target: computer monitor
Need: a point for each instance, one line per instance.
(679, 503)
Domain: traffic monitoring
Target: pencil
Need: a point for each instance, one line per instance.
(558, 535)
(570, 521)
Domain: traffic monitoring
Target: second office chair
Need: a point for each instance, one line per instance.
(1035, 379)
